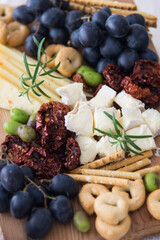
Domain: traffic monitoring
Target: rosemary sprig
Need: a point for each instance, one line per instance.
(30, 83)
(121, 138)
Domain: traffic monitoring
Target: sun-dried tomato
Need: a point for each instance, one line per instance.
(73, 153)
(78, 78)
(113, 76)
(15, 148)
(50, 124)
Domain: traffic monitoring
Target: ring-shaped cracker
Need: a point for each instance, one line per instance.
(136, 193)
(113, 232)
(17, 34)
(153, 204)
(3, 32)
(51, 50)
(6, 13)
(70, 60)
(88, 194)
(111, 207)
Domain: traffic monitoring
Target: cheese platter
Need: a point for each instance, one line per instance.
(94, 110)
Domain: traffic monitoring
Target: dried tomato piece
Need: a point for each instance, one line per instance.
(43, 164)
(73, 153)
(51, 125)
(78, 78)
(15, 148)
(113, 76)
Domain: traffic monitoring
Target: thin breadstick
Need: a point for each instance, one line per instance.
(127, 161)
(97, 172)
(133, 167)
(102, 180)
(143, 172)
(100, 162)
(113, 4)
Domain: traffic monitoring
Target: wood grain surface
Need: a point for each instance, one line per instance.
(142, 222)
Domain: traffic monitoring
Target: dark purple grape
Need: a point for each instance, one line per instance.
(37, 195)
(137, 37)
(107, 9)
(12, 178)
(3, 163)
(39, 28)
(136, 18)
(21, 14)
(4, 199)
(59, 35)
(73, 20)
(30, 46)
(149, 54)
(21, 205)
(127, 59)
(61, 209)
(36, 6)
(89, 34)
(75, 39)
(117, 26)
(39, 223)
(64, 5)
(111, 47)
(53, 17)
(91, 55)
(63, 185)
(28, 172)
(103, 63)
(100, 18)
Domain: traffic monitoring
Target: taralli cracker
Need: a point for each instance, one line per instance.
(70, 60)
(3, 32)
(6, 13)
(143, 172)
(16, 34)
(51, 50)
(135, 166)
(153, 204)
(113, 232)
(137, 192)
(88, 194)
(111, 208)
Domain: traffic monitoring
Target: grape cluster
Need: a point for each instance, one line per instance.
(103, 37)
(26, 199)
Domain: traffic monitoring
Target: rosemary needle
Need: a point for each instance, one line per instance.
(29, 83)
(121, 138)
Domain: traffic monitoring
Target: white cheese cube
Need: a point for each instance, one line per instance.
(152, 119)
(143, 143)
(102, 122)
(88, 147)
(71, 93)
(104, 98)
(126, 100)
(131, 118)
(80, 119)
(105, 148)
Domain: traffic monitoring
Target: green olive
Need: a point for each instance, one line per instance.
(151, 182)
(92, 79)
(11, 126)
(32, 121)
(26, 133)
(81, 221)
(19, 115)
(84, 69)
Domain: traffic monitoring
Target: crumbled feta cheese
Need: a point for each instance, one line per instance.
(105, 147)
(152, 118)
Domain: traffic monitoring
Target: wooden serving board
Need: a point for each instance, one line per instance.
(143, 224)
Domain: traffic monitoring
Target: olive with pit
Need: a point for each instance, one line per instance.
(26, 133)
(151, 182)
(84, 69)
(11, 126)
(32, 121)
(81, 221)
(19, 115)
(92, 79)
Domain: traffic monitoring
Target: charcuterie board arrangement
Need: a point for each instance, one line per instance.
(80, 126)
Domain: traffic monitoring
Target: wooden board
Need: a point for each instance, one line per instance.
(142, 222)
